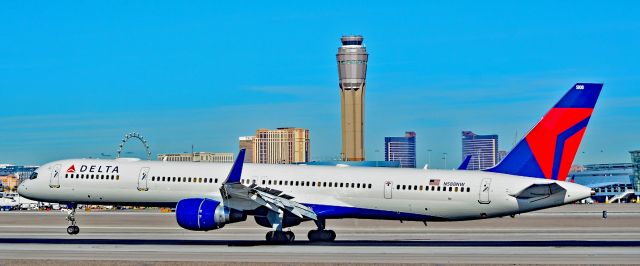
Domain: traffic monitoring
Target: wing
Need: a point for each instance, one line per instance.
(238, 196)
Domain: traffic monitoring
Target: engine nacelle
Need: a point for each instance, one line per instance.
(200, 214)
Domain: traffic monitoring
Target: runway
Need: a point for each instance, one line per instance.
(568, 234)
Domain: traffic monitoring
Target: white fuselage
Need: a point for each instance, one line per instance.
(436, 194)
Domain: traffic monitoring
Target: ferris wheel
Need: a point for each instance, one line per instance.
(134, 135)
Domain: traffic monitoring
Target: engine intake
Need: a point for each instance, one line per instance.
(200, 214)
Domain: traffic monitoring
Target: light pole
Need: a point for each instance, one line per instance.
(445, 159)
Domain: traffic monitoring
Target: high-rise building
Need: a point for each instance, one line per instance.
(212, 157)
(281, 146)
(482, 148)
(401, 149)
(352, 60)
(635, 159)
(246, 143)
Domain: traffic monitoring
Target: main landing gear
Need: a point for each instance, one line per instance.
(73, 229)
(321, 234)
(277, 235)
(280, 236)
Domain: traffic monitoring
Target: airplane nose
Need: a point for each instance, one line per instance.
(21, 189)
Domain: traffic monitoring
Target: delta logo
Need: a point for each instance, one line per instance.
(72, 169)
(93, 169)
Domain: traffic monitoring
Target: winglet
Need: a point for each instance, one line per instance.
(236, 169)
(465, 163)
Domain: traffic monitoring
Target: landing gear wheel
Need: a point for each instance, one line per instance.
(290, 236)
(321, 235)
(280, 237)
(73, 230)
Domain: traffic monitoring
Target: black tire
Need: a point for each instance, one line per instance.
(290, 236)
(71, 230)
(313, 236)
(332, 235)
(269, 236)
(76, 230)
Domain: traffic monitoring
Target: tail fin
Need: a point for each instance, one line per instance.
(550, 147)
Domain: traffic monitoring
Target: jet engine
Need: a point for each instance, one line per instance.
(200, 214)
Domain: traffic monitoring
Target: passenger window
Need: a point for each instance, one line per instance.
(369, 186)
(468, 189)
(216, 180)
(329, 184)
(438, 188)
(324, 184)
(456, 189)
(450, 188)
(297, 183)
(415, 187)
(200, 180)
(397, 186)
(307, 183)
(358, 185)
(280, 182)
(313, 183)
(189, 179)
(420, 187)
(117, 177)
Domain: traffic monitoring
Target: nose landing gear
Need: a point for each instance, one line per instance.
(73, 229)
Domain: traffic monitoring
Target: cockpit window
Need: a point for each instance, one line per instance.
(33, 176)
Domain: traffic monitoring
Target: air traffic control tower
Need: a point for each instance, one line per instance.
(352, 60)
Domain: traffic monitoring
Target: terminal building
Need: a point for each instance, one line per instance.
(21, 172)
(401, 149)
(211, 157)
(611, 182)
(482, 148)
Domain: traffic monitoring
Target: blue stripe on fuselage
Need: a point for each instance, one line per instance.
(338, 212)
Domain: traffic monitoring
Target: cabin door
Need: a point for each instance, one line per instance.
(485, 187)
(388, 189)
(54, 181)
(143, 179)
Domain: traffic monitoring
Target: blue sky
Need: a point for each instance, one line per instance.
(75, 76)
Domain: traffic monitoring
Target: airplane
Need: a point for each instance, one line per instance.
(207, 196)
